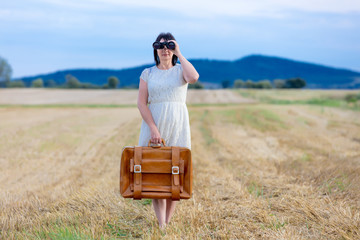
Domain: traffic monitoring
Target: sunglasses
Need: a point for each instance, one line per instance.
(160, 45)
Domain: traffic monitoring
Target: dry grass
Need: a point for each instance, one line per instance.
(89, 97)
(260, 172)
(296, 94)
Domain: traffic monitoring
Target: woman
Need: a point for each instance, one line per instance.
(164, 88)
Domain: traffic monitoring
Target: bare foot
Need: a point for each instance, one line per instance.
(162, 227)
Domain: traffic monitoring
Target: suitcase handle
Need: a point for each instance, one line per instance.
(156, 145)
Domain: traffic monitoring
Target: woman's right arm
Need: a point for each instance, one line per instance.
(145, 112)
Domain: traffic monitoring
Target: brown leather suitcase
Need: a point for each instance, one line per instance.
(156, 172)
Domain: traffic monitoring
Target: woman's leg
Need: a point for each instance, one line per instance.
(160, 211)
(170, 208)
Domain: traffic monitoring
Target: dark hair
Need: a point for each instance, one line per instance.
(166, 37)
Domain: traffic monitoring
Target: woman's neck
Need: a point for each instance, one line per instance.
(164, 66)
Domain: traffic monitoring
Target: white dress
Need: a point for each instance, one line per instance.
(167, 103)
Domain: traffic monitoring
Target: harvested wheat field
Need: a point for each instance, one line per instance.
(105, 97)
(261, 170)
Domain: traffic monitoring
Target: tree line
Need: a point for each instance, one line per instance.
(263, 84)
(113, 82)
(277, 83)
(70, 82)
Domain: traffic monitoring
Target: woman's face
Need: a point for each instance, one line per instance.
(164, 54)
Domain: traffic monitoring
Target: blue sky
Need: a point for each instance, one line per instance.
(41, 36)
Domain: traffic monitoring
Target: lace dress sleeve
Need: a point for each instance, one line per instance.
(145, 75)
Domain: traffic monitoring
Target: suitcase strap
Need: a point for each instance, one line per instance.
(175, 179)
(137, 173)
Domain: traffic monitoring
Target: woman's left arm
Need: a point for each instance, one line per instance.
(189, 72)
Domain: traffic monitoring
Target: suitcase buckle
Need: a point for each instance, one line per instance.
(137, 168)
(175, 170)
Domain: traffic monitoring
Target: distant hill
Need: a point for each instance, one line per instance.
(213, 72)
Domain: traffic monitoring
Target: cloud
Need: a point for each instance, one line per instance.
(240, 7)
(105, 31)
(193, 8)
(89, 14)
